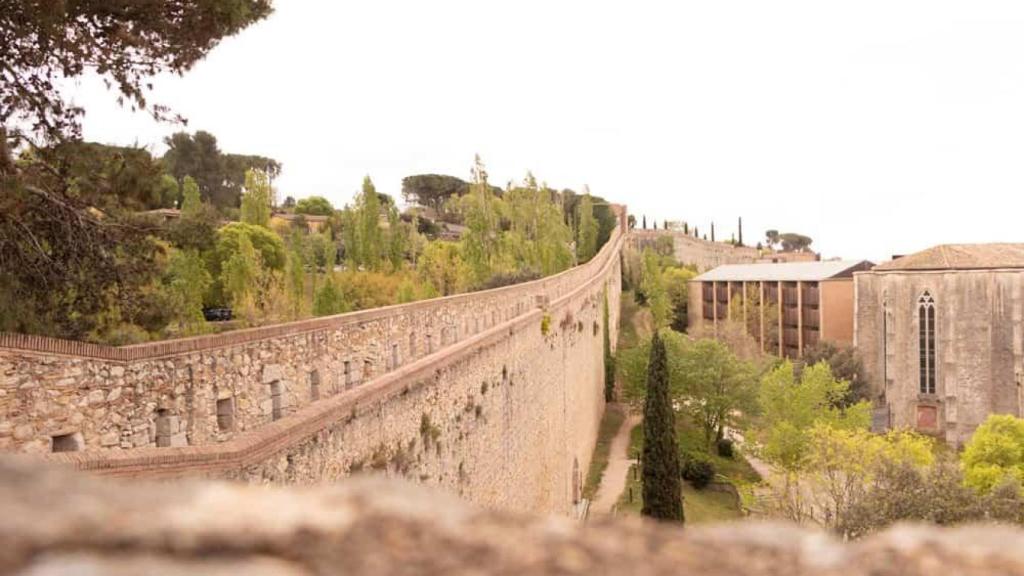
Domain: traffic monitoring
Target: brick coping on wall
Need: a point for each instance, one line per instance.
(259, 444)
(164, 348)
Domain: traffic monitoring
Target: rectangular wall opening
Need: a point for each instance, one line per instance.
(226, 414)
(314, 385)
(71, 442)
(276, 408)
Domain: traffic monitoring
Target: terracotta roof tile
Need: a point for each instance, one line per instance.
(960, 257)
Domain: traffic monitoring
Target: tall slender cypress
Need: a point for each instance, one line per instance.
(662, 485)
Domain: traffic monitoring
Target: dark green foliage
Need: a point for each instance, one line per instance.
(433, 190)
(609, 358)
(712, 231)
(220, 176)
(739, 241)
(194, 232)
(662, 487)
(124, 43)
(795, 242)
(725, 448)
(699, 472)
(109, 178)
(314, 205)
(846, 364)
(645, 222)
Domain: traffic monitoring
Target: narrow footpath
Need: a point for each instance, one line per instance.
(613, 481)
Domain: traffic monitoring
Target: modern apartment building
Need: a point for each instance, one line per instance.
(787, 307)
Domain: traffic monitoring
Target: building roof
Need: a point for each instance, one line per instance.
(784, 271)
(960, 257)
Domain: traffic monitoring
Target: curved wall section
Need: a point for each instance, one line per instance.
(496, 395)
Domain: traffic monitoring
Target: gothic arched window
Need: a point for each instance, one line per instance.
(926, 328)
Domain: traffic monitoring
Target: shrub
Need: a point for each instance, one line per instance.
(995, 453)
(725, 448)
(698, 471)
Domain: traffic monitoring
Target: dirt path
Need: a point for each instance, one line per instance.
(613, 482)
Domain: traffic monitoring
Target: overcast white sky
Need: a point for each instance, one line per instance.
(876, 127)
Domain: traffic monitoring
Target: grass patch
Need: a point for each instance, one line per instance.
(698, 505)
(611, 421)
(634, 321)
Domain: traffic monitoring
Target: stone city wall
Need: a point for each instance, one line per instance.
(694, 251)
(196, 391)
(496, 395)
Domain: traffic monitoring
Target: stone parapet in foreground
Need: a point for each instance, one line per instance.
(55, 521)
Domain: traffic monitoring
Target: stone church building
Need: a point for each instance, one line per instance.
(941, 333)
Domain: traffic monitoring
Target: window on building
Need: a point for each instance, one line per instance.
(926, 333)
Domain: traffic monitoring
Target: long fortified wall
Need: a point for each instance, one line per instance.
(495, 395)
(694, 251)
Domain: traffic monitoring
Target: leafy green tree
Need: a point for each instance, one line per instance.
(268, 244)
(481, 217)
(329, 299)
(186, 281)
(846, 364)
(662, 484)
(609, 358)
(586, 231)
(677, 287)
(240, 276)
(795, 242)
(191, 203)
(256, 199)
(995, 453)
(295, 284)
(652, 283)
(168, 191)
(364, 239)
(715, 387)
(221, 177)
(433, 191)
(792, 406)
(314, 205)
(48, 43)
(842, 463)
(442, 267)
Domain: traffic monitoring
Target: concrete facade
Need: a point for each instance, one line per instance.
(787, 307)
(978, 343)
(495, 395)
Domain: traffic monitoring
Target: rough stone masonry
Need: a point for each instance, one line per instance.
(57, 522)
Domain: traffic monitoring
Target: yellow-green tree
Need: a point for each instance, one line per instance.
(186, 281)
(191, 202)
(652, 283)
(586, 228)
(481, 217)
(442, 267)
(240, 277)
(257, 198)
(995, 453)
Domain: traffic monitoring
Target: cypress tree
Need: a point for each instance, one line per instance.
(609, 359)
(741, 231)
(712, 231)
(645, 221)
(662, 485)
